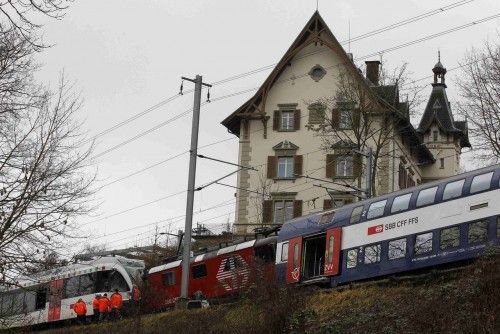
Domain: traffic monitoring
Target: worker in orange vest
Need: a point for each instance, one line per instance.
(104, 307)
(95, 307)
(80, 309)
(116, 305)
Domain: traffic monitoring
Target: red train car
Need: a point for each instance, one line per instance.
(216, 274)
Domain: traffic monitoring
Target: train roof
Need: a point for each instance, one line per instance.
(217, 252)
(98, 264)
(312, 223)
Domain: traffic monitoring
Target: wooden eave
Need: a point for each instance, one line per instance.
(311, 33)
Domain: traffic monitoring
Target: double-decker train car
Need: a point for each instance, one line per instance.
(49, 296)
(440, 222)
(216, 274)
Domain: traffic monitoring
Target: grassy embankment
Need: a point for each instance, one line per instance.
(452, 301)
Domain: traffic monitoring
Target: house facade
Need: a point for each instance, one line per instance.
(310, 127)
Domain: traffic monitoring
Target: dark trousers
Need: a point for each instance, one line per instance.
(116, 314)
(81, 319)
(95, 317)
(103, 316)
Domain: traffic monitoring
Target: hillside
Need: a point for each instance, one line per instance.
(465, 300)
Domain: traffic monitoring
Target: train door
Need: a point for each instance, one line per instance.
(294, 264)
(332, 251)
(55, 296)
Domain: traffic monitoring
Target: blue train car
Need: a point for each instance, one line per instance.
(435, 223)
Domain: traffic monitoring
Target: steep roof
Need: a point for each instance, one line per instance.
(438, 110)
(314, 31)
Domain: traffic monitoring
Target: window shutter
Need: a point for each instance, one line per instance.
(330, 165)
(267, 211)
(297, 164)
(296, 120)
(276, 120)
(357, 164)
(327, 204)
(335, 118)
(297, 208)
(356, 117)
(271, 167)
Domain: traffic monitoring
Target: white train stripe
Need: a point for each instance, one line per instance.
(420, 220)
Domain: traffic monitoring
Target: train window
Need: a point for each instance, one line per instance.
(41, 298)
(453, 189)
(13, 303)
(266, 253)
(423, 243)
(71, 287)
(284, 252)
(478, 232)
(376, 209)
(30, 300)
(330, 248)
(449, 238)
(200, 270)
(481, 182)
(168, 278)
(372, 254)
(296, 256)
(352, 258)
(426, 196)
(397, 249)
(356, 214)
(86, 284)
(401, 203)
(110, 280)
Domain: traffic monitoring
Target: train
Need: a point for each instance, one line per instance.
(435, 223)
(48, 296)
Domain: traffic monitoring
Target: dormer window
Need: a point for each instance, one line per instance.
(435, 135)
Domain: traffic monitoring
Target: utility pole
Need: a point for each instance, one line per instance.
(186, 254)
(369, 162)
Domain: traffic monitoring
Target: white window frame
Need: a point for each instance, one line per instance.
(344, 166)
(280, 213)
(287, 163)
(287, 118)
(345, 119)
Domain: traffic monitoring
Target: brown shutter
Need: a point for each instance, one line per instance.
(335, 118)
(271, 167)
(356, 117)
(296, 120)
(297, 208)
(276, 120)
(267, 211)
(330, 165)
(356, 165)
(297, 164)
(327, 204)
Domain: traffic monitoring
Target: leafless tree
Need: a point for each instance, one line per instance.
(479, 87)
(23, 16)
(44, 180)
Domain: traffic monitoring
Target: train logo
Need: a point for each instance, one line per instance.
(232, 273)
(295, 274)
(375, 229)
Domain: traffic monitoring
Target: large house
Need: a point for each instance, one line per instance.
(311, 125)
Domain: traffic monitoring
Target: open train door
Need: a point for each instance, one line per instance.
(55, 296)
(332, 251)
(294, 260)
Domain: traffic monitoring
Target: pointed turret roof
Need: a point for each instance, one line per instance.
(438, 110)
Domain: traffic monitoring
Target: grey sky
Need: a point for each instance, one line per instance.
(125, 56)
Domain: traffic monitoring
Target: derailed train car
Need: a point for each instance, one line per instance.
(49, 296)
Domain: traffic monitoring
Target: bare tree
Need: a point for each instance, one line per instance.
(44, 181)
(479, 87)
(21, 16)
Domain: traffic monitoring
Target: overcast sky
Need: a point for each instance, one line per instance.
(126, 56)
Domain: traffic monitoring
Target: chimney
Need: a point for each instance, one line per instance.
(373, 71)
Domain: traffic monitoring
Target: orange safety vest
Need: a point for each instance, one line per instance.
(95, 304)
(80, 308)
(116, 300)
(103, 304)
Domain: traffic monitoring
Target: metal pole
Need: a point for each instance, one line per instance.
(186, 254)
(369, 158)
